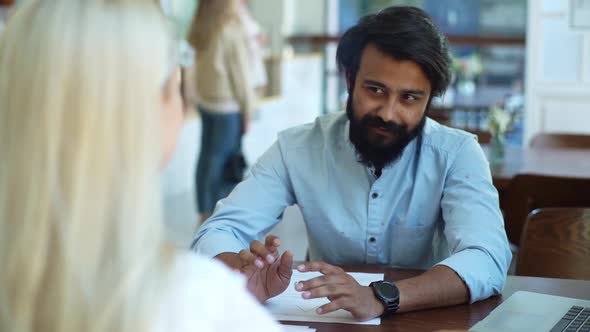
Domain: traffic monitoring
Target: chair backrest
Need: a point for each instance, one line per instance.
(571, 141)
(528, 192)
(556, 244)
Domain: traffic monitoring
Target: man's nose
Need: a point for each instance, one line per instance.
(390, 111)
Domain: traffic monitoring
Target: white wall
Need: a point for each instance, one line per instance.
(558, 71)
(309, 17)
(284, 18)
(180, 12)
(270, 14)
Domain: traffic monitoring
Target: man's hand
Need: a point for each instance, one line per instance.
(343, 291)
(268, 274)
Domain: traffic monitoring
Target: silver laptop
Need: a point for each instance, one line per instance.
(526, 311)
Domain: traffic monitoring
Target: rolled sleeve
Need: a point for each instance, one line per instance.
(474, 227)
(217, 241)
(253, 208)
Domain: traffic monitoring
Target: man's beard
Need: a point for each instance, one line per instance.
(374, 154)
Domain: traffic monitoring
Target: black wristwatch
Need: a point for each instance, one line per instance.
(388, 294)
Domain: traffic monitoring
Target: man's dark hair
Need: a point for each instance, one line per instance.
(404, 33)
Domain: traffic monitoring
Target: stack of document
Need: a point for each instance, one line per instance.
(290, 306)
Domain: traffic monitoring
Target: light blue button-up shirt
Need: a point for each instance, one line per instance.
(435, 205)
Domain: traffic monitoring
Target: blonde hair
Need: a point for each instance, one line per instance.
(209, 20)
(80, 215)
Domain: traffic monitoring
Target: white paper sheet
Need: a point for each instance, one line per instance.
(296, 328)
(290, 306)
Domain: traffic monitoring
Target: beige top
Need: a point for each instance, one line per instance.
(223, 75)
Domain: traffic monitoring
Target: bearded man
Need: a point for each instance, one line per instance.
(379, 184)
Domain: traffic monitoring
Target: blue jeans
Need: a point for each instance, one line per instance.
(220, 140)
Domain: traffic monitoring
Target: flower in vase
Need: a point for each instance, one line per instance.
(499, 121)
(467, 67)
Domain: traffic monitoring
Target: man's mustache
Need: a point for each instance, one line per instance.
(378, 122)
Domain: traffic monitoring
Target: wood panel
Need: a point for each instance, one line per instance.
(561, 141)
(556, 244)
(573, 163)
(528, 192)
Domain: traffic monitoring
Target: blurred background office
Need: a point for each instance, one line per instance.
(521, 68)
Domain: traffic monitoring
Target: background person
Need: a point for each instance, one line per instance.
(226, 95)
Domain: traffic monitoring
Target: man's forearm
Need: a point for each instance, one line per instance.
(437, 287)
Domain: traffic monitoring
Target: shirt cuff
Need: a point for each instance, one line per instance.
(474, 267)
(216, 242)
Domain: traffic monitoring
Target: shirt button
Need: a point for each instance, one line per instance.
(372, 239)
(375, 195)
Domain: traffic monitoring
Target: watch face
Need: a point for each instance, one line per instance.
(388, 290)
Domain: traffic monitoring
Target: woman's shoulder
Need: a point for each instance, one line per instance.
(194, 296)
(202, 294)
(194, 273)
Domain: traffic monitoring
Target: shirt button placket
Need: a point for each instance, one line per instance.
(372, 246)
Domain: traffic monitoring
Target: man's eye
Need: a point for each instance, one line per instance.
(376, 90)
(411, 98)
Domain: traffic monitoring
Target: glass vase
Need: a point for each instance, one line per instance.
(497, 148)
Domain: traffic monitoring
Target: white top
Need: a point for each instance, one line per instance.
(253, 31)
(208, 297)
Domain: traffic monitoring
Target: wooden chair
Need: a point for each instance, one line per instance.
(528, 192)
(556, 244)
(571, 141)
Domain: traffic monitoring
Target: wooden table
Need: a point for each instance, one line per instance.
(558, 162)
(456, 317)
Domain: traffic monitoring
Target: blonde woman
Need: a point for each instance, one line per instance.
(225, 92)
(89, 112)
